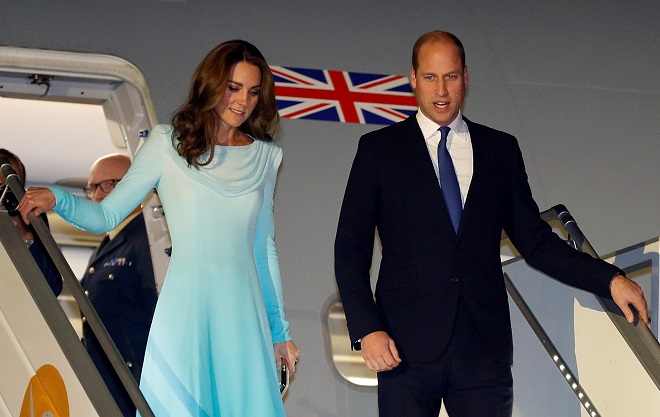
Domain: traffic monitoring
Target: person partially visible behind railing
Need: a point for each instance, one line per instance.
(37, 249)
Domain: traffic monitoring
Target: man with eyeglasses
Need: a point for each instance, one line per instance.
(119, 282)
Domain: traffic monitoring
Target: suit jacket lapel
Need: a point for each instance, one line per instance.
(425, 173)
(109, 246)
(99, 249)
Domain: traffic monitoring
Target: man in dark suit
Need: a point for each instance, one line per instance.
(439, 328)
(9, 202)
(119, 282)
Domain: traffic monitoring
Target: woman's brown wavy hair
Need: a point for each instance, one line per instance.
(196, 122)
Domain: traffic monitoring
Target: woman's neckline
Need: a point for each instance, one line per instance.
(247, 145)
(247, 136)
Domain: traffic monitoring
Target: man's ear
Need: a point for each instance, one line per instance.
(413, 78)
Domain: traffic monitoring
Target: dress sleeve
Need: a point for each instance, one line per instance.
(265, 255)
(141, 177)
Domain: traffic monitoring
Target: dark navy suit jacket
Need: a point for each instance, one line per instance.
(119, 282)
(45, 263)
(425, 265)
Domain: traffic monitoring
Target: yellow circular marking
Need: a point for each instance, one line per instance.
(45, 395)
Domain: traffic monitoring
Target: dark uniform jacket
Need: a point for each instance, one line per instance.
(120, 284)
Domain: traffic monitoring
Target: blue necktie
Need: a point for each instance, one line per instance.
(451, 192)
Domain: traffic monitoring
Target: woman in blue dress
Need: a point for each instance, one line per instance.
(219, 328)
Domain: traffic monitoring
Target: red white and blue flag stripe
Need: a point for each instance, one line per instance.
(342, 96)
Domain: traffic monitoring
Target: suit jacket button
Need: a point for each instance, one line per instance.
(129, 364)
(91, 269)
(87, 293)
(111, 276)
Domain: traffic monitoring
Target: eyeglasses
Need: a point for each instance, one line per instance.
(105, 186)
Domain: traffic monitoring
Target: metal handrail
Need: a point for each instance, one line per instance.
(569, 375)
(86, 308)
(638, 336)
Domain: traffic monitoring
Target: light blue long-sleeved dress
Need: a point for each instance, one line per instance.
(210, 349)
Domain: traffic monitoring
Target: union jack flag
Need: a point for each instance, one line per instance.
(342, 96)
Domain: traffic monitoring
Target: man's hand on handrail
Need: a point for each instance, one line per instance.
(625, 292)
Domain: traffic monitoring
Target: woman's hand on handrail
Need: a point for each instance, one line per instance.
(36, 200)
